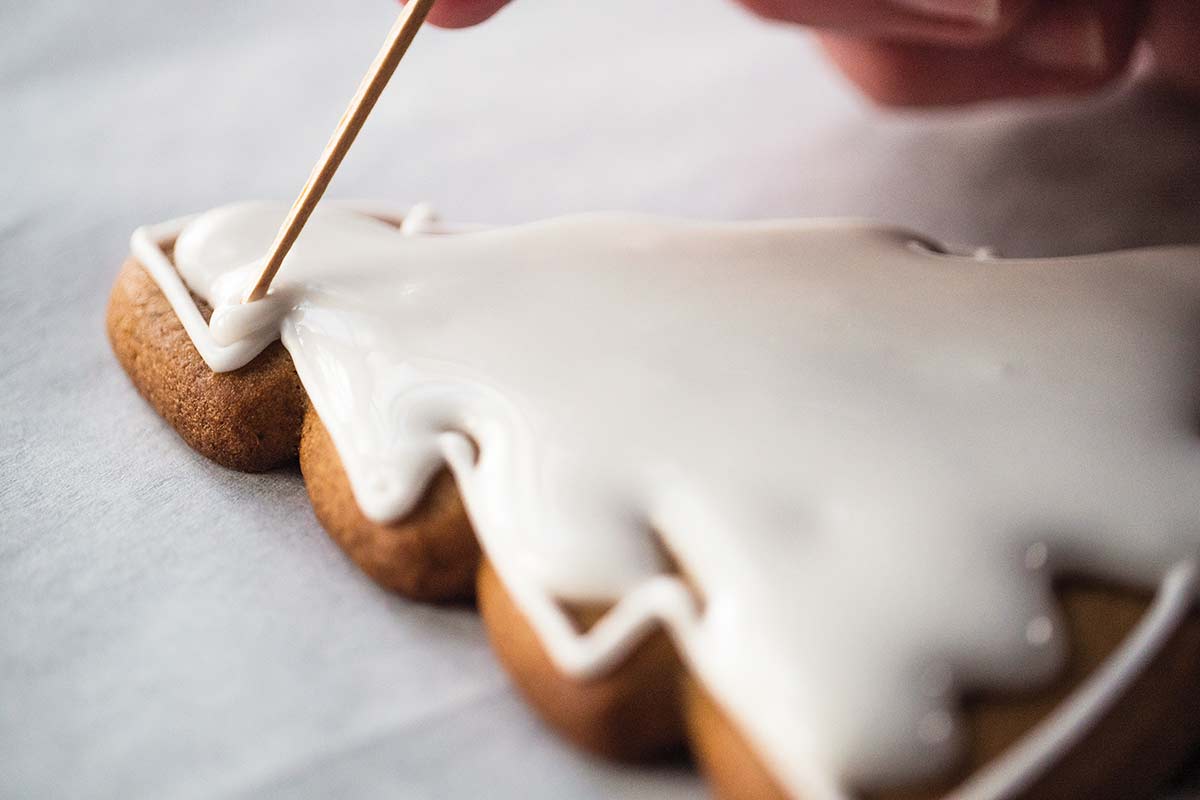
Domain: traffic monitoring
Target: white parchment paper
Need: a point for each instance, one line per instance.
(170, 629)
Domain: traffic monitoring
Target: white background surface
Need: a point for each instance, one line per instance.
(171, 629)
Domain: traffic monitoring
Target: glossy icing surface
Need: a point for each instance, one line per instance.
(869, 457)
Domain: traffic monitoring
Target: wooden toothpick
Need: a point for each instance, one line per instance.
(373, 83)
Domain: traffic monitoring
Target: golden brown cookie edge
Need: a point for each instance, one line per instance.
(248, 419)
(431, 554)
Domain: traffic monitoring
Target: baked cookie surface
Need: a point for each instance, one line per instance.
(723, 580)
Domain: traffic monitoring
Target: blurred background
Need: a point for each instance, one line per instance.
(171, 629)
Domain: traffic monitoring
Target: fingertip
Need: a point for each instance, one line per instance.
(463, 13)
(1067, 48)
(953, 23)
(916, 76)
(1173, 32)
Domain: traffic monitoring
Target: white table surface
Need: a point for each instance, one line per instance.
(170, 629)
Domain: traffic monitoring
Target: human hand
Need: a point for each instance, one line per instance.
(942, 52)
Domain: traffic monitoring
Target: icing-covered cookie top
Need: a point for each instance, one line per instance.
(869, 457)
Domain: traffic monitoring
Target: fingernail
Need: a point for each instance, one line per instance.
(1063, 44)
(978, 12)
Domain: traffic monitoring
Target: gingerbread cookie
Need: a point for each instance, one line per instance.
(849, 515)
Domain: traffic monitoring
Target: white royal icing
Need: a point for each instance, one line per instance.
(870, 457)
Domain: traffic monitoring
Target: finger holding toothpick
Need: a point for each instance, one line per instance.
(394, 47)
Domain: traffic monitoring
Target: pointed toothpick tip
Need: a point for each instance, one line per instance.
(394, 47)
